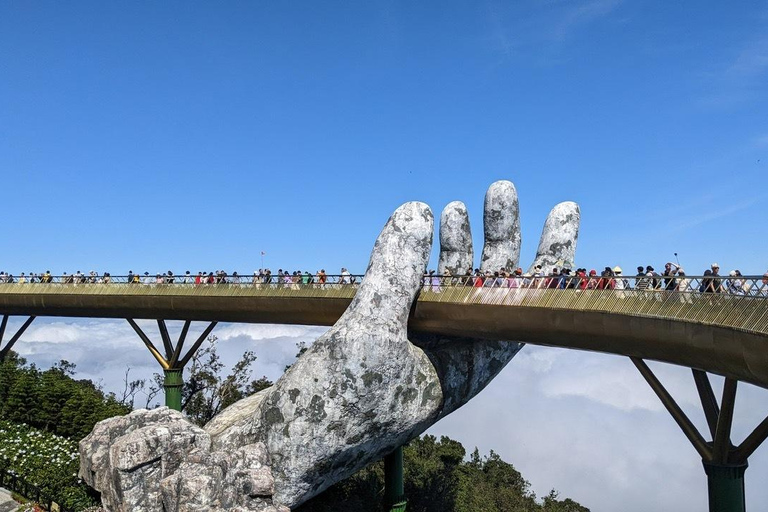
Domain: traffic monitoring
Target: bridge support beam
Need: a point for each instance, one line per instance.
(724, 463)
(172, 362)
(8, 346)
(725, 484)
(394, 488)
(173, 383)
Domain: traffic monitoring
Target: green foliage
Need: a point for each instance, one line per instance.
(439, 479)
(52, 400)
(207, 391)
(45, 460)
(438, 476)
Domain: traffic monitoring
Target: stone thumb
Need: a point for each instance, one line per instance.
(395, 271)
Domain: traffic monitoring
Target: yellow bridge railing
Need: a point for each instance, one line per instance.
(744, 308)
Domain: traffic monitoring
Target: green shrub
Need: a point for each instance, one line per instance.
(46, 460)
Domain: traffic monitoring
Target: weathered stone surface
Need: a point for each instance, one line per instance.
(465, 365)
(557, 246)
(361, 390)
(501, 221)
(125, 458)
(221, 480)
(232, 426)
(456, 253)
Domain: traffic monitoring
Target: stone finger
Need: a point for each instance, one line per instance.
(557, 246)
(456, 253)
(395, 270)
(501, 220)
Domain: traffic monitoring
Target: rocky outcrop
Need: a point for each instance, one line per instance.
(240, 479)
(156, 460)
(125, 458)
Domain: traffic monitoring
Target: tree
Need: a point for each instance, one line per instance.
(10, 368)
(302, 346)
(439, 479)
(52, 400)
(131, 388)
(20, 405)
(207, 391)
(552, 504)
(54, 391)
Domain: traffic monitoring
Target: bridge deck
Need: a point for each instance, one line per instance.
(721, 333)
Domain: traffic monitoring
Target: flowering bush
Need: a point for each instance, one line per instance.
(45, 460)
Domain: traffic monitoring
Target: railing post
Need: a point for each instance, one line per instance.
(725, 483)
(394, 490)
(172, 384)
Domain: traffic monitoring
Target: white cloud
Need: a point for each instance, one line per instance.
(268, 331)
(761, 141)
(752, 62)
(579, 14)
(585, 424)
(569, 428)
(514, 27)
(743, 80)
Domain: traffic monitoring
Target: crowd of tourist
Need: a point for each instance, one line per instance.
(672, 278)
(261, 276)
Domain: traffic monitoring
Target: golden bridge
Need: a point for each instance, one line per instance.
(708, 325)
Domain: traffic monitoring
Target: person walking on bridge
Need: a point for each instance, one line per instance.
(346, 277)
(717, 282)
(670, 283)
(641, 283)
(736, 283)
(763, 290)
(683, 286)
(619, 283)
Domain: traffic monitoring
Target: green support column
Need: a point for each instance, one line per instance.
(726, 487)
(172, 385)
(172, 362)
(394, 491)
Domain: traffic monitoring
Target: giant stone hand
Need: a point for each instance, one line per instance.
(362, 389)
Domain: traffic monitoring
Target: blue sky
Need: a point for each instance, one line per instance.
(192, 136)
(149, 136)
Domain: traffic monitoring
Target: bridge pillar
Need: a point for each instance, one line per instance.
(172, 361)
(725, 483)
(8, 346)
(172, 384)
(394, 489)
(724, 463)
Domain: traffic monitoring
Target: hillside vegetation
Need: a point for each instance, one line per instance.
(43, 413)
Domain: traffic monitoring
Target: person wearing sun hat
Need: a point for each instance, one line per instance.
(619, 283)
(736, 283)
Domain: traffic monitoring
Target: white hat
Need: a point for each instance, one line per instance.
(732, 273)
(715, 265)
(617, 269)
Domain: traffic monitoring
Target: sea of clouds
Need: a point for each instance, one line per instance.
(583, 423)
